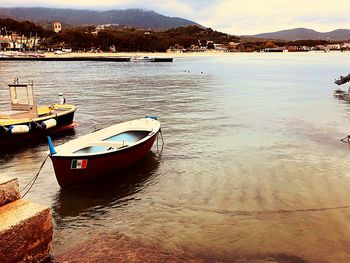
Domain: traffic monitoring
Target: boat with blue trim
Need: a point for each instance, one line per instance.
(103, 152)
(26, 121)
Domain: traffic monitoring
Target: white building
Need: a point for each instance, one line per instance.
(333, 47)
(345, 45)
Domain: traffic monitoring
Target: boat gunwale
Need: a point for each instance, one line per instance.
(103, 154)
(154, 131)
(38, 119)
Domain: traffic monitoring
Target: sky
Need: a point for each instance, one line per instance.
(238, 17)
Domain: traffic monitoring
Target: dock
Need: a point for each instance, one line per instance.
(163, 60)
(80, 58)
(108, 59)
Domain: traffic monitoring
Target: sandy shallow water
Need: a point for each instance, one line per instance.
(252, 169)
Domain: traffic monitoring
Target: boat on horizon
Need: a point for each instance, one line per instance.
(103, 152)
(143, 59)
(151, 59)
(26, 121)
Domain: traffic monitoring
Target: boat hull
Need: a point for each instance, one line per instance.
(9, 141)
(98, 165)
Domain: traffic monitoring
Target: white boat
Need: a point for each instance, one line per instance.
(59, 52)
(143, 59)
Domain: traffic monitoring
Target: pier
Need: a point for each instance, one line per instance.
(80, 58)
(108, 59)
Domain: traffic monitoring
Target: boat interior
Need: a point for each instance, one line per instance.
(129, 136)
(113, 143)
(114, 138)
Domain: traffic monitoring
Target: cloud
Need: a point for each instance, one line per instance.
(231, 16)
(253, 16)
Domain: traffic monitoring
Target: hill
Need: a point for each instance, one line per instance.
(75, 17)
(306, 34)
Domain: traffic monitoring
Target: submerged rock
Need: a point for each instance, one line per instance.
(115, 247)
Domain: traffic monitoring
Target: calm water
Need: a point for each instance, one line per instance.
(252, 163)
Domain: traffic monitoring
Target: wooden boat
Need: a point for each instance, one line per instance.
(103, 152)
(27, 121)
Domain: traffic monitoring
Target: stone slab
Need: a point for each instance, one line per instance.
(9, 190)
(25, 232)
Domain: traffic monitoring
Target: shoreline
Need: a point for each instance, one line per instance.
(51, 55)
(174, 54)
(135, 54)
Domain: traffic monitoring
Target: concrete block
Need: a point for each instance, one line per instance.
(25, 232)
(9, 190)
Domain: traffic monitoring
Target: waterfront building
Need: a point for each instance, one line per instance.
(345, 46)
(4, 43)
(220, 47)
(333, 47)
(57, 26)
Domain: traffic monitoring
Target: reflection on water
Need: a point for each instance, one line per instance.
(252, 163)
(97, 197)
(35, 142)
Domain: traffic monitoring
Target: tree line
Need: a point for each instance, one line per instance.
(120, 38)
(25, 28)
(251, 46)
(133, 39)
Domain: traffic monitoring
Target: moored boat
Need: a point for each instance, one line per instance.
(26, 120)
(103, 152)
(143, 59)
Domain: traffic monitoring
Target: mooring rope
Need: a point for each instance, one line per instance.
(32, 182)
(161, 136)
(5, 128)
(37, 124)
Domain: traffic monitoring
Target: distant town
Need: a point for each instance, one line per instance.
(55, 36)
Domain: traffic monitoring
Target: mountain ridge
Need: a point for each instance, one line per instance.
(305, 34)
(77, 17)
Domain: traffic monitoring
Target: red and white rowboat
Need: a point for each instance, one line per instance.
(103, 152)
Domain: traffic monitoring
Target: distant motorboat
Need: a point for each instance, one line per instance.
(59, 52)
(143, 59)
(342, 80)
(151, 59)
(103, 152)
(67, 50)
